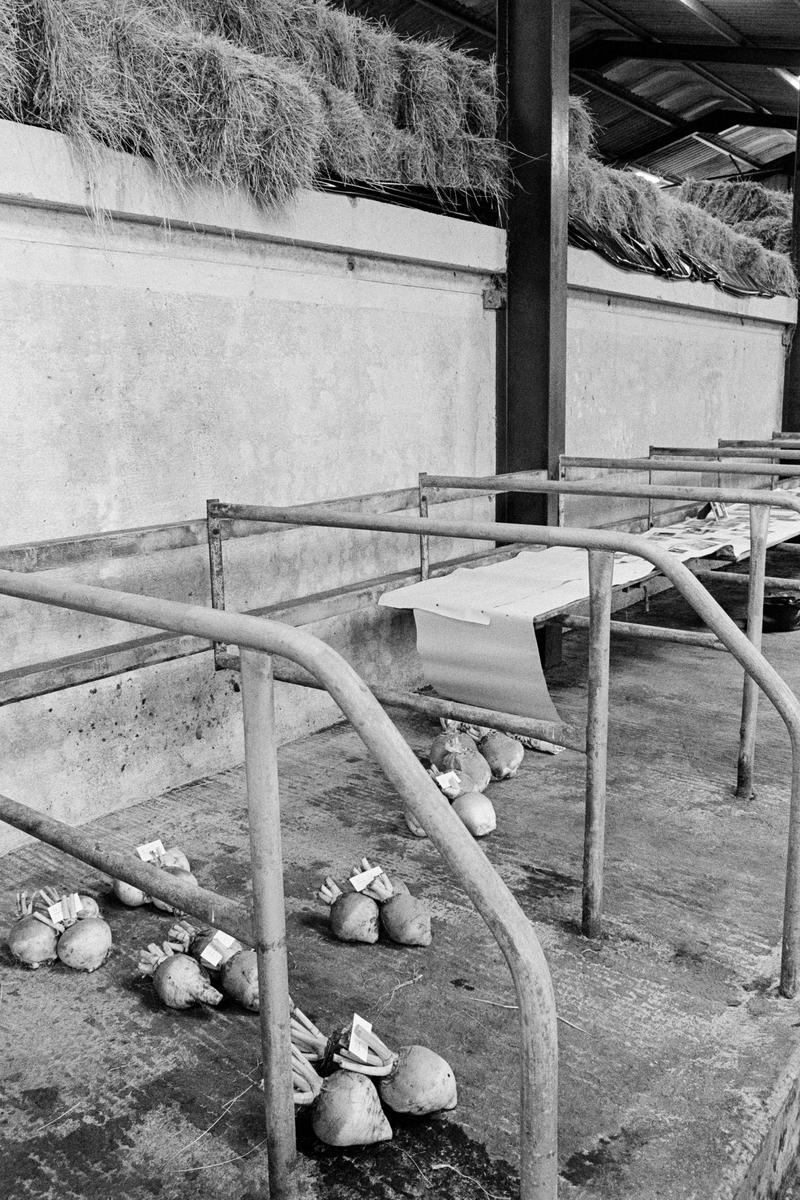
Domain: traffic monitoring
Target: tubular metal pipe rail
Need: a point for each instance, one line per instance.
(754, 663)
(259, 639)
(716, 466)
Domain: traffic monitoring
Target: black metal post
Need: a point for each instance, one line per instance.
(533, 63)
(791, 384)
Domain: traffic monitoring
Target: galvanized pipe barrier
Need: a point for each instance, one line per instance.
(695, 465)
(510, 927)
(727, 450)
(654, 633)
(770, 682)
(759, 526)
(601, 573)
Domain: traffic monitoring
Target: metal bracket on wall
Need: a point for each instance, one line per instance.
(495, 296)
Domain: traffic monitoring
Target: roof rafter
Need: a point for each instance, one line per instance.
(676, 124)
(606, 50)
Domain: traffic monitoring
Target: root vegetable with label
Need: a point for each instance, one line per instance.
(419, 1082)
(127, 894)
(504, 754)
(239, 979)
(85, 942)
(404, 918)
(134, 897)
(453, 751)
(195, 941)
(348, 1112)
(33, 937)
(178, 980)
(353, 916)
(477, 813)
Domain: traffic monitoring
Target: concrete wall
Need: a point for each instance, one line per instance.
(190, 346)
(657, 362)
(337, 348)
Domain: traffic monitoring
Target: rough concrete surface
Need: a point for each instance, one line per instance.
(674, 1049)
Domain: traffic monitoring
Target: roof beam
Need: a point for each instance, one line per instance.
(605, 51)
(714, 122)
(676, 125)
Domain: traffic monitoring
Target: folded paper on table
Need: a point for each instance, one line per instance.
(475, 626)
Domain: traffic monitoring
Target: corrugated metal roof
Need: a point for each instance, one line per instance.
(670, 92)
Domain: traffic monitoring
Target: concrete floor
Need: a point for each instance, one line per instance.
(676, 1056)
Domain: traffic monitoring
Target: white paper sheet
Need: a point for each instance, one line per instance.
(475, 632)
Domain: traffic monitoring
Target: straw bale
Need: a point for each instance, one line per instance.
(582, 132)
(734, 202)
(12, 78)
(349, 149)
(773, 232)
(209, 110)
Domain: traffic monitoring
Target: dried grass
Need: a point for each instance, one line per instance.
(582, 129)
(12, 77)
(737, 202)
(627, 206)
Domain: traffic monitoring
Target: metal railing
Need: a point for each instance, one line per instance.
(265, 929)
(601, 545)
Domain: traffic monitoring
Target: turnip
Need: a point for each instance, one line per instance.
(127, 894)
(353, 917)
(89, 908)
(174, 857)
(239, 979)
(420, 1082)
(442, 747)
(191, 940)
(179, 873)
(477, 813)
(404, 918)
(455, 751)
(178, 980)
(86, 945)
(504, 754)
(348, 1112)
(33, 937)
(413, 824)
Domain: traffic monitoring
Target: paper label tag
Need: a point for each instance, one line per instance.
(61, 910)
(719, 510)
(364, 878)
(151, 851)
(214, 952)
(447, 780)
(358, 1045)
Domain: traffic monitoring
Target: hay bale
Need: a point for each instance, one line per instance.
(208, 110)
(426, 99)
(734, 202)
(582, 130)
(775, 233)
(12, 75)
(348, 149)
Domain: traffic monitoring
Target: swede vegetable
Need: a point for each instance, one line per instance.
(504, 754)
(348, 1112)
(174, 857)
(334, 1051)
(404, 918)
(127, 894)
(33, 937)
(413, 825)
(442, 747)
(477, 813)
(89, 908)
(178, 980)
(239, 979)
(353, 916)
(420, 1082)
(192, 940)
(86, 945)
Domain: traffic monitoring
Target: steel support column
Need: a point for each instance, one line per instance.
(533, 59)
(533, 65)
(791, 384)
